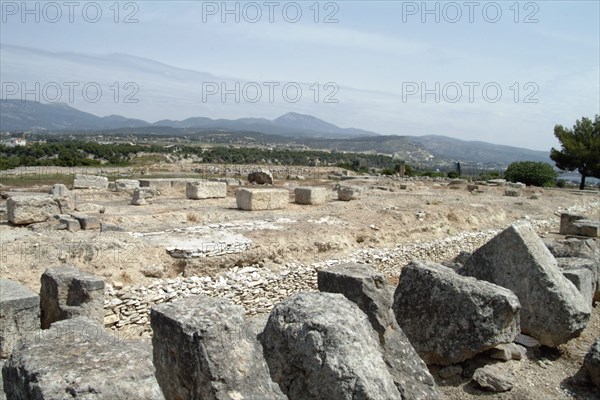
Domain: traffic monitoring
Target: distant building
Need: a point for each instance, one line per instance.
(13, 142)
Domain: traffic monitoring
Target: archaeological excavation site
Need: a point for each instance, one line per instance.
(272, 282)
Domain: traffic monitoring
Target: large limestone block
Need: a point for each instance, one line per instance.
(76, 359)
(322, 346)
(370, 291)
(23, 210)
(67, 292)
(517, 259)
(261, 199)
(203, 349)
(574, 263)
(19, 314)
(82, 181)
(205, 190)
(310, 195)
(449, 318)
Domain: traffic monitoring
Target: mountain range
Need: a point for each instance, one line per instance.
(16, 115)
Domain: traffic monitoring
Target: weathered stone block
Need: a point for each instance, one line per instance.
(90, 182)
(205, 190)
(23, 210)
(19, 314)
(71, 224)
(77, 359)
(261, 199)
(310, 195)
(322, 346)
(87, 222)
(126, 185)
(579, 225)
(512, 192)
(347, 193)
(67, 292)
(517, 259)
(203, 349)
(370, 291)
(449, 318)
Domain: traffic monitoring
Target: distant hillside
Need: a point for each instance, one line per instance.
(455, 149)
(29, 115)
(290, 128)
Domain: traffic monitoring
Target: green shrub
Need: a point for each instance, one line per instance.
(561, 183)
(453, 175)
(534, 173)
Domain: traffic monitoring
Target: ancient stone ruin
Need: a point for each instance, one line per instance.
(205, 190)
(261, 199)
(310, 195)
(357, 337)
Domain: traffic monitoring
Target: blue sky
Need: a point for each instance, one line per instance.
(391, 66)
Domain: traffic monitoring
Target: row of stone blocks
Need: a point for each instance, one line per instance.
(358, 340)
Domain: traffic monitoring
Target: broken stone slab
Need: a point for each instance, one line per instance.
(71, 224)
(82, 181)
(23, 210)
(205, 190)
(203, 349)
(347, 193)
(579, 225)
(449, 318)
(19, 314)
(87, 222)
(584, 281)
(261, 177)
(553, 309)
(591, 362)
(67, 292)
(512, 192)
(261, 199)
(310, 195)
(77, 359)
(586, 228)
(322, 346)
(494, 378)
(370, 291)
(126, 185)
